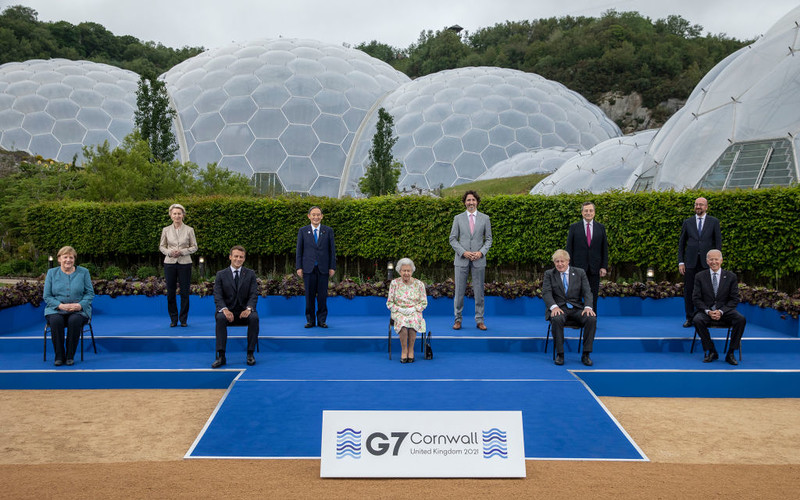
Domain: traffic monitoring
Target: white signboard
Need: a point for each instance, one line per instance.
(422, 444)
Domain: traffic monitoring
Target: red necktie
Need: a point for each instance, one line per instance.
(588, 234)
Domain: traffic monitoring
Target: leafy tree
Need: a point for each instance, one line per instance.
(213, 180)
(153, 118)
(382, 171)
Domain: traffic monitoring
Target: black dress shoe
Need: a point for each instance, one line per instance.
(731, 359)
(183, 323)
(586, 360)
(711, 356)
(58, 362)
(173, 324)
(687, 324)
(559, 359)
(323, 325)
(404, 360)
(70, 362)
(219, 362)
(251, 360)
(309, 325)
(410, 360)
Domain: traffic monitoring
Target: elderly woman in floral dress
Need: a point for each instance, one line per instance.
(407, 299)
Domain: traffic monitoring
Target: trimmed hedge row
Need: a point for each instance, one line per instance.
(758, 226)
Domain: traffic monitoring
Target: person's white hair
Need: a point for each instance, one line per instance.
(405, 261)
(176, 205)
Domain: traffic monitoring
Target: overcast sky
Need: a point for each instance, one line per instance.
(214, 23)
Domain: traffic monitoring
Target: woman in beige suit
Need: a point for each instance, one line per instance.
(178, 244)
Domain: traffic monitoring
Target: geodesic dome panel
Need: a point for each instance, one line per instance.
(286, 108)
(605, 167)
(752, 96)
(538, 161)
(54, 107)
(454, 125)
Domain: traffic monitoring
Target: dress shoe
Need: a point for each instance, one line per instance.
(410, 360)
(586, 360)
(457, 325)
(251, 360)
(323, 325)
(687, 324)
(70, 362)
(481, 326)
(559, 359)
(58, 362)
(711, 356)
(731, 359)
(173, 324)
(309, 325)
(183, 324)
(404, 360)
(219, 362)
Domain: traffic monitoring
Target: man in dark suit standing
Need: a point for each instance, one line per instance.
(716, 295)
(699, 234)
(567, 296)
(235, 297)
(315, 261)
(587, 246)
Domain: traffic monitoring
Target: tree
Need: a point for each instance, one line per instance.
(382, 171)
(153, 119)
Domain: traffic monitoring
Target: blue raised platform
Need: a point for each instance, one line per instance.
(274, 409)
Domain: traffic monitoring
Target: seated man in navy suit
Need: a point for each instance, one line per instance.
(315, 261)
(568, 297)
(715, 296)
(235, 297)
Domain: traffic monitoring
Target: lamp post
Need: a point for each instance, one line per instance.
(389, 270)
(49, 261)
(650, 274)
(202, 261)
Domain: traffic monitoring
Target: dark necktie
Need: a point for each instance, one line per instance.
(588, 235)
(236, 279)
(699, 225)
(714, 283)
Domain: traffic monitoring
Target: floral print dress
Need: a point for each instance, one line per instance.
(406, 302)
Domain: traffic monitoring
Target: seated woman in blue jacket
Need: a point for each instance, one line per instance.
(68, 295)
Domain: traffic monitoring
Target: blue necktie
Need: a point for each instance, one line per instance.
(714, 283)
(699, 225)
(564, 279)
(316, 236)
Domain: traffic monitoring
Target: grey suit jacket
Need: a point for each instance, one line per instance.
(462, 241)
(578, 292)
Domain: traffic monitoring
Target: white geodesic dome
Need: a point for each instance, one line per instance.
(55, 107)
(454, 125)
(285, 108)
(740, 125)
(538, 161)
(605, 167)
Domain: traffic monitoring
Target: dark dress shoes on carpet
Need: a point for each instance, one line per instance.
(219, 362)
(559, 359)
(731, 359)
(251, 360)
(586, 360)
(173, 324)
(70, 362)
(309, 325)
(58, 362)
(711, 356)
(323, 325)
(687, 324)
(183, 324)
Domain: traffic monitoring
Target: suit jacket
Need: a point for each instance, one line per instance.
(691, 245)
(226, 294)
(479, 241)
(323, 252)
(578, 294)
(590, 259)
(727, 297)
(182, 240)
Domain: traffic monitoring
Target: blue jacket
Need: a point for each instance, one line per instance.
(322, 253)
(60, 287)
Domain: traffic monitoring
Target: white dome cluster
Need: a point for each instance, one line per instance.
(286, 107)
(605, 167)
(538, 161)
(55, 107)
(454, 125)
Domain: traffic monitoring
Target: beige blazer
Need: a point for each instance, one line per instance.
(181, 239)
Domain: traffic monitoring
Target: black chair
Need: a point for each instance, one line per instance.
(88, 323)
(569, 324)
(391, 325)
(718, 324)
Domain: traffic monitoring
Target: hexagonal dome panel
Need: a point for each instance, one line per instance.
(60, 102)
(294, 95)
(492, 112)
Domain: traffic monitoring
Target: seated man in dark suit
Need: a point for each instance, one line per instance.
(716, 295)
(568, 297)
(235, 297)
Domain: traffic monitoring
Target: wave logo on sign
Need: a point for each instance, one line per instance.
(348, 443)
(495, 443)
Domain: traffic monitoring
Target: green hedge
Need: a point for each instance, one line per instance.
(759, 228)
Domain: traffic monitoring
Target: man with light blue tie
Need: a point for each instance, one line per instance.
(315, 261)
(568, 297)
(471, 238)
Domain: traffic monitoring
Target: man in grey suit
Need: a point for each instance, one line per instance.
(471, 238)
(568, 297)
